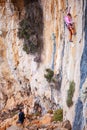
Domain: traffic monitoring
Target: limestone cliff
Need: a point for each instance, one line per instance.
(22, 76)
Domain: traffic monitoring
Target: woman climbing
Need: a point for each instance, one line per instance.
(70, 24)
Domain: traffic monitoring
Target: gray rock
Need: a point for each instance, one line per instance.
(14, 128)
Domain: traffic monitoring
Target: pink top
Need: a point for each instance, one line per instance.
(67, 19)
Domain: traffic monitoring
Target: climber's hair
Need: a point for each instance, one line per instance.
(69, 14)
(20, 110)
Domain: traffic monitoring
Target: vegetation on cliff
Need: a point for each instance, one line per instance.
(49, 75)
(70, 94)
(58, 115)
(31, 28)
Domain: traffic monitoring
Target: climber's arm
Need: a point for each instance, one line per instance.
(67, 21)
(68, 10)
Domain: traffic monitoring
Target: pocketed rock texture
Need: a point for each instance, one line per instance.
(40, 123)
(22, 81)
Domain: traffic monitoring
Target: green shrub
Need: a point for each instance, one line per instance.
(37, 114)
(31, 28)
(70, 94)
(50, 111)
(25, 48)
(49, 75)
(25, 32)
(58, 115)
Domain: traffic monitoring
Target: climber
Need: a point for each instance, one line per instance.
(21, 117)
(70, 24)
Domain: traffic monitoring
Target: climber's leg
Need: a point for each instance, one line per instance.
(72, 28)
(70, 34)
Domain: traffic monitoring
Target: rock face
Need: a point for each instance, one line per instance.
(40, 123)
(22, 75)
(14, 128)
